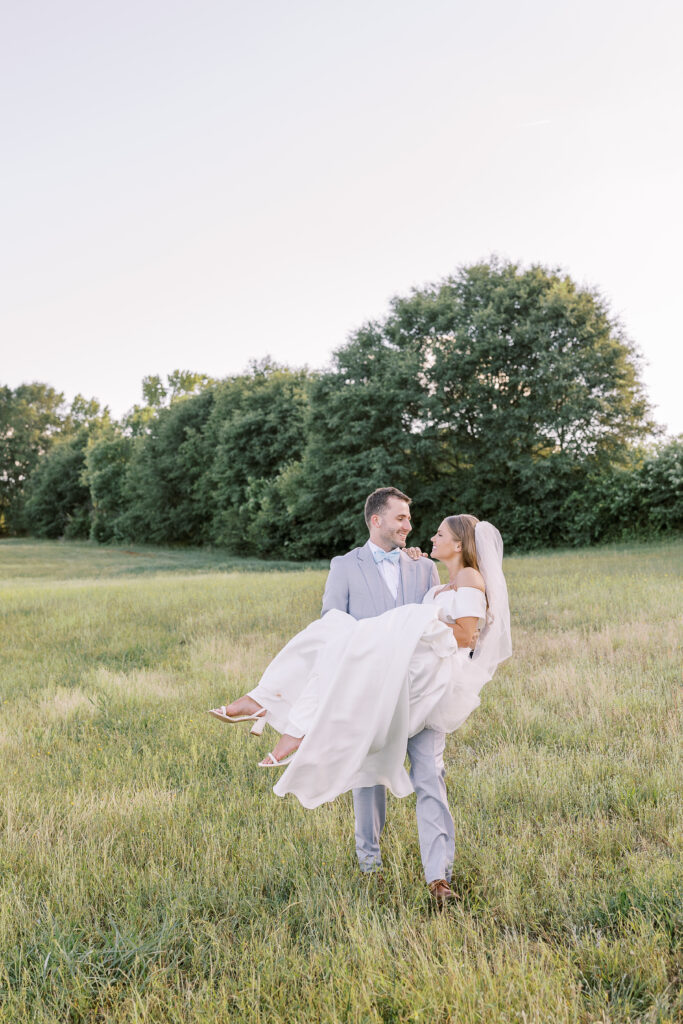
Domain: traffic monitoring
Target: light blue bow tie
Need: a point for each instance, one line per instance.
(392, 556)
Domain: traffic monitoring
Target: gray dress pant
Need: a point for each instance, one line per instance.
(434, 822)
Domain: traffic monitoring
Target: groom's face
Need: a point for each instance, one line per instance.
(390, 529)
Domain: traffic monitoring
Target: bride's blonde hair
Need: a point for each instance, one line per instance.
(462, 528)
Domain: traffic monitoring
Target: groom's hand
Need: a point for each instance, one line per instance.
(416, 553)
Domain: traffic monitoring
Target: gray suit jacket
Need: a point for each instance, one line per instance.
(355, 585)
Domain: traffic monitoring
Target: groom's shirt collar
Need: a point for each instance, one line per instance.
(390, 573)
(375, 548)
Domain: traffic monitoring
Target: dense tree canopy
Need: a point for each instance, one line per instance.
(497, 390)
(106, 464)
(34, 418)
(504, 391)
(165, 468)
(255, 433)
(58, 500)
(30, 416)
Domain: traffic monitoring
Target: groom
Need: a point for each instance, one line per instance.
(366, 582)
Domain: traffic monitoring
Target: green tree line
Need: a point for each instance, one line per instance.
(507, 392)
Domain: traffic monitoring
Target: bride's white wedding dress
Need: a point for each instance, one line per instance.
(358, 689)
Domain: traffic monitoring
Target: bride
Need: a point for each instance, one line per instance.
(346, 694)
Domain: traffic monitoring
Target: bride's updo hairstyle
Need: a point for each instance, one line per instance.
(462, 528)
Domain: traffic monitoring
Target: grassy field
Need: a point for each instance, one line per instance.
(149, 874)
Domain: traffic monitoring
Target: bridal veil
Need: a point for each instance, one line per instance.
(495, 642)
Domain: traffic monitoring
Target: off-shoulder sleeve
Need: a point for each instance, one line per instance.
(469, 602)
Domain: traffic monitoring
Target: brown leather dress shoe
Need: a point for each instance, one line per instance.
(441, 892)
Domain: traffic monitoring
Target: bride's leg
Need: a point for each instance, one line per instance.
(243, 706)
(285, 746)
(286, 677)
(303, 711)
(301, 717)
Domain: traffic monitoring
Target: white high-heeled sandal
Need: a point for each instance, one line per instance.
(274, 763)
(258, 718)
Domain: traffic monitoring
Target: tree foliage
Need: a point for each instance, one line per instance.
(165, 467)
(504, 391)
(30, 417)
(256, 432)
(106, 464)
(530, 386)
(57, 498)
(360, 434)
(641, 498)
(498, 390)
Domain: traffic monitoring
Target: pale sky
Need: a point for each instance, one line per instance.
(196, 184)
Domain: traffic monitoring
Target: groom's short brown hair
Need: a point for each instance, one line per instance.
(376, 502)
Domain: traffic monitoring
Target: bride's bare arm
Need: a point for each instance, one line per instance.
(465, 631)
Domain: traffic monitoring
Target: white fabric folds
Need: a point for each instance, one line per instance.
(361, 724)
(356, 690)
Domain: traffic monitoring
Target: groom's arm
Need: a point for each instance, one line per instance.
(337, 587)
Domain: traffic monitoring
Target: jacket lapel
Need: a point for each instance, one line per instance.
(408, 584)
(379, 594)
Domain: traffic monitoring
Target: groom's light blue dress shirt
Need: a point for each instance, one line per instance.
(389, 570)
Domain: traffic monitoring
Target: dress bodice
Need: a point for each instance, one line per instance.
(462, 603)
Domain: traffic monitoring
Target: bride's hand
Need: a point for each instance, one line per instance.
(416, 553)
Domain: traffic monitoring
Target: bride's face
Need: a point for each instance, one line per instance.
(444, 544)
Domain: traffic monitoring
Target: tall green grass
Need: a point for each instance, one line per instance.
(149, 873)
